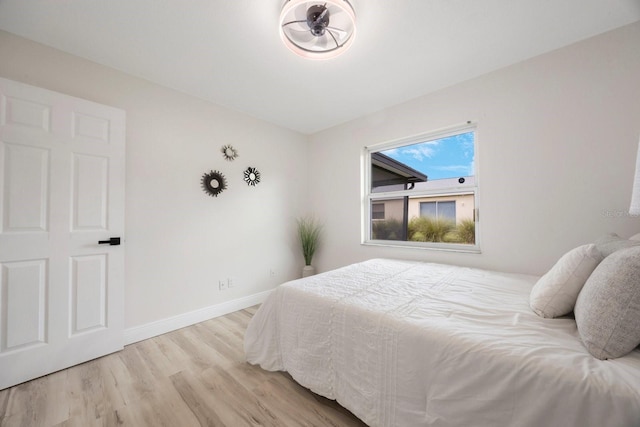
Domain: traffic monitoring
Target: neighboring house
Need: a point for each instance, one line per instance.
(457, 207)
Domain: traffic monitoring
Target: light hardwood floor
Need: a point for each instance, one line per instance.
(195, 376)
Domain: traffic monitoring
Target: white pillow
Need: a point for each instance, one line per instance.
(556, 292)
(608, 307)
(635, 237)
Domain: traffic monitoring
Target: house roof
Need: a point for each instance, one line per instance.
(387, 171)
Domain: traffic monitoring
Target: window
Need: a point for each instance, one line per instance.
(377, 211)
(422, 191)
(438, 210)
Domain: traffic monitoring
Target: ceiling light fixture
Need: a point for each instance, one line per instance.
(317, 29)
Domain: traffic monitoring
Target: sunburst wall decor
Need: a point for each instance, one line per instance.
(229, 153)
(252, 176)
(213, 183)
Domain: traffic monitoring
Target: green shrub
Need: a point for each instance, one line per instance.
(466, 231)
(388, 229)
(418, 236)
(426, 229)
(429, 229)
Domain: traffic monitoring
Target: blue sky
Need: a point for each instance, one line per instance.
(449, 157)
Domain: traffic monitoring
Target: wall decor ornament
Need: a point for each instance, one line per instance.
(229, 153)
(252, 176)
(213, 183)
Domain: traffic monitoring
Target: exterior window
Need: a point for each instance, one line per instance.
(438, 210)
(422, 192)
(377, 211)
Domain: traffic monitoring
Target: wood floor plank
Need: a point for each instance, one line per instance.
(235, 324)
(195, 376)
(138, 380)
(85, 393)
(304, 405)
(175, 355)
(163, 407)
(238, 402)
(251, 376)
(198, 399)
(230, 349)
(154, 356)
(41, 402)
(116, 381)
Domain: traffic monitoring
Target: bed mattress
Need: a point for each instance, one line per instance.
(403, 343)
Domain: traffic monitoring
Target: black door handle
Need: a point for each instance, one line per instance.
(114, 241)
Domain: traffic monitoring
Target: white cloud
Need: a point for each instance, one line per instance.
(419, 152)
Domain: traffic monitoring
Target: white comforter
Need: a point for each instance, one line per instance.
(404, 343)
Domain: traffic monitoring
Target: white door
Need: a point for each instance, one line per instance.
(61, 192)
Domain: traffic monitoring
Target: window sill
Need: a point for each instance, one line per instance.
(442, 247)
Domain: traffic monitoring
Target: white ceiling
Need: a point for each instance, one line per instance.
(229, 51)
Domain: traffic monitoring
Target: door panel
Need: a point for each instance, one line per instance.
(26, 113)
(25, 188)
(23, 296)
(89, 303)
(61, 191)
(90, 175)
(90, 128)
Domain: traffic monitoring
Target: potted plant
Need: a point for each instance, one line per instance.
(309, 234)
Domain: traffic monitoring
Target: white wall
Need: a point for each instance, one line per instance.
(179, 241)
(557, 139)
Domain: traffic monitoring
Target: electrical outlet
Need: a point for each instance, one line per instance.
(222, 285)
(231, 282)
(272, 273)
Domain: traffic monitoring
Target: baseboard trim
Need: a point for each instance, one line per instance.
(159, 327)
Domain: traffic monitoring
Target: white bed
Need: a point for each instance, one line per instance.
(403, 343)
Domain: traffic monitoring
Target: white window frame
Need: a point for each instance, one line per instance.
(465, 188)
